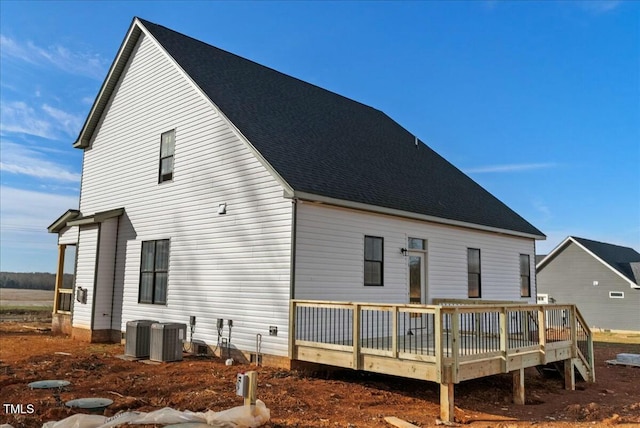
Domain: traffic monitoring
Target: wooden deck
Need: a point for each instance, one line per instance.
(445, 343)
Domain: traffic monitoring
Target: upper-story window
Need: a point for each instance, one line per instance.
(525, 276)
(373, 259)
(473, 270)
(167, 149)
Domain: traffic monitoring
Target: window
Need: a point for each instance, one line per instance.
(154, 267)
(525, 276)
(473, 269)
(167, 149)
(616, 294)
(373, 254)
(417, 244)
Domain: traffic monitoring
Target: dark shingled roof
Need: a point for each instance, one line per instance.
(325, 144)
(623, 259)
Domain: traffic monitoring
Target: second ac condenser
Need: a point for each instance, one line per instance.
(166, 341)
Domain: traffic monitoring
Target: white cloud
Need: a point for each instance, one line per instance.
(44, 121)
(541, 207)
(79, 63)
(17, 159)
(67, 121)
(21, 118)
(517, 167)
(26, 214)
(599, 6)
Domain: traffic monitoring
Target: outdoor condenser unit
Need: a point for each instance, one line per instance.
(138, 338)
(166, 341)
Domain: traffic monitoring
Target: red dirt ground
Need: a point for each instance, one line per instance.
(299, 399)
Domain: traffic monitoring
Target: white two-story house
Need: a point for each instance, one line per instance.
(215, 187)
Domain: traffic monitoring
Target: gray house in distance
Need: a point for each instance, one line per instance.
(603, 280)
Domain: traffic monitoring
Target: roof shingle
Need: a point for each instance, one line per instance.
(325, 144)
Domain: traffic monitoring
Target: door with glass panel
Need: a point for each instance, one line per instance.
(417, 259)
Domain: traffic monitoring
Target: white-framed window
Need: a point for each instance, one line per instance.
(167, 150)
(616, 294)
(154, 272)
(417, 244)
(473, 270)
(525, 276)
(373, 260)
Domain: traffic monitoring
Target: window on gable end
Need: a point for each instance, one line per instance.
(167, 150)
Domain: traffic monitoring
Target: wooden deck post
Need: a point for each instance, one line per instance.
(59, 276)
(356, 336)
(503, 338)
(447, 408)
(518, 386)
(569, 375)
(292, 331)
(542, 334)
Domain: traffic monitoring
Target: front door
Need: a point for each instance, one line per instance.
(417, 276)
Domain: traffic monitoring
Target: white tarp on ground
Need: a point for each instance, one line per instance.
(236, 417)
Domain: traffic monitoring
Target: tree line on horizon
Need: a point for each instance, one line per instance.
(33, 280)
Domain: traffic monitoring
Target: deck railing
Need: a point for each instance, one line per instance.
(450, 342)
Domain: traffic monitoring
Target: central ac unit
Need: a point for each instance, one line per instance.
(138, 338)
(166, 341)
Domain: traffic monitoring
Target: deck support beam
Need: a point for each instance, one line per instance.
(518, 386)
(447, 408)
(569, 375)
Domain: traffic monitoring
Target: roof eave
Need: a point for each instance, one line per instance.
(305, 196)
(62, 221)
(106, 90)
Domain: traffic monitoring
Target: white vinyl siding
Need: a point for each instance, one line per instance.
(85, 274)
(329, 263)
(232, 266)
(68, 236)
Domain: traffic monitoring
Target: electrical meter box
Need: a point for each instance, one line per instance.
(242, 385)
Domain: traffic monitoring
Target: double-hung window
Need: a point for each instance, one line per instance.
(525, 276)
(154, 269)
(373, 259)
(473, 270)
(167, 149)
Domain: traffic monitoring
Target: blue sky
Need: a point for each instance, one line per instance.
(539, 102)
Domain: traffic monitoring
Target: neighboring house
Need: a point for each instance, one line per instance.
(603, 280)
(216, 187)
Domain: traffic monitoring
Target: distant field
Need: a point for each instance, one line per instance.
(10, 297)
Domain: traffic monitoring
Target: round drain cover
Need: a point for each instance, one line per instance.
(89, 403)
(48, 384)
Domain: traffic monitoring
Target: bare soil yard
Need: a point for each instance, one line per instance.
(300, 399)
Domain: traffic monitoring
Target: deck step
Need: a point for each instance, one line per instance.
(556, 369)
